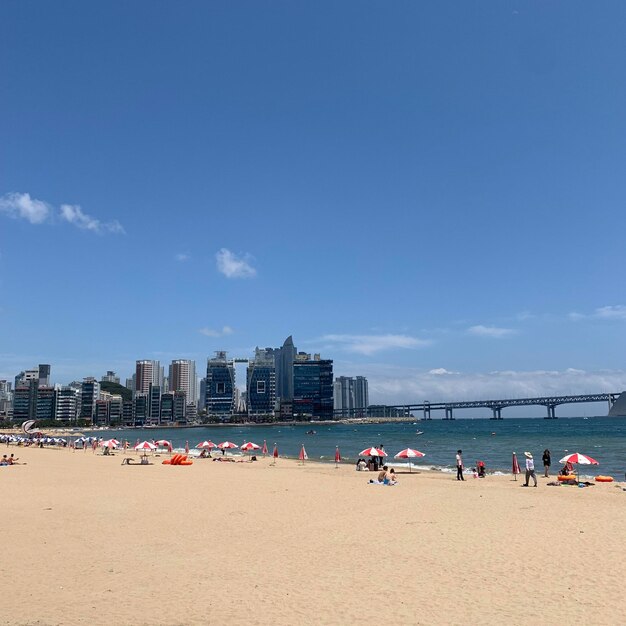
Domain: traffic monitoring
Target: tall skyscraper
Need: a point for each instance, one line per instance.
(182, 377)
(284, 358)
(147, 373)
(343, 396)
(68, 399)
(261, 383)
(220, 386)
(313, 388)
(361, 396)
(350, 396)
(90, 393)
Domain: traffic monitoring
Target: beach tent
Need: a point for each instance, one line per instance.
(409, 453)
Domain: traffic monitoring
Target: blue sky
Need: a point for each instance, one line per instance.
(431, 194)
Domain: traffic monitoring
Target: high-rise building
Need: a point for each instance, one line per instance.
(343, 396)
(140, 408)
(284, 358)
(154, 404)
(44, 375)
(182, 377)
(261, 383)
(22, 405)
(68, 399)
(313, 388)
(167, 408)
(46, 403)
(220, 386)
(148, 373)
(24, 378)
(351, 396)
(361, 396)
(90, 393)
(180, 407)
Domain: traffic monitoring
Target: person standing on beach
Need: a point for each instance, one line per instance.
(459, 465)
(546, 462)
(530, 469)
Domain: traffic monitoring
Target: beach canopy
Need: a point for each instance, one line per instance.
(250, 446)
(145, 445)
(408, 453)
(303, 455)
(225, 445)
(372, 452)
(207, 445)
(577, 457)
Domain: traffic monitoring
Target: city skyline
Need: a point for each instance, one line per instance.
(438, 217)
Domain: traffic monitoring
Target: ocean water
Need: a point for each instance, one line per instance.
(490, 441)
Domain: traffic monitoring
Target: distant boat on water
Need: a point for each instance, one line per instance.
(419, 432)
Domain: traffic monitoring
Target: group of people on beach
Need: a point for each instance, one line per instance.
(8, 460)
(386, 476)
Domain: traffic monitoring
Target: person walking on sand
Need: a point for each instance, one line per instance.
(530, 469)
(459, 465)
(546, 462)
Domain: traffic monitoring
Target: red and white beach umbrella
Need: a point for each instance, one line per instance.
(264, 450)
(275, 453)
(109, 443)
(145, 445)
(163, 443)
(337, 455)
(206, 445)
(580, 459)
(303, 455)
(515, 466)
(372, 452)
(250, 446)
(225, 445)
(409, 453)
(577, 457)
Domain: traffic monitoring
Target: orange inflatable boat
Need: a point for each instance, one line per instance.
(604, 479)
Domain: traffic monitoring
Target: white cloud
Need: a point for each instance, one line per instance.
(370, 344)
(73, 214)
(397, 385)
(611, 312)
(616, 312)
(21, 205)
(182, 257)
(233, 266)
(490, 331)
(209, 332)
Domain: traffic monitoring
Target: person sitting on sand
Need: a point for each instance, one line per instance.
(12, 459)
(4, 461)
(361, 465)
(567, 469)
(382, 474)
(390, 477)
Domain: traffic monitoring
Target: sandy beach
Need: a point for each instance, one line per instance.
(89, 541)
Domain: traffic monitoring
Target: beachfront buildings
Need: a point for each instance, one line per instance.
(182, 377)
(220, 386)
(261, 383)
(350, 396)
(312, 387)
(90, 393)
(147, 373)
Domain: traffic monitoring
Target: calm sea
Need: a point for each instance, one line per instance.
(491, 441)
